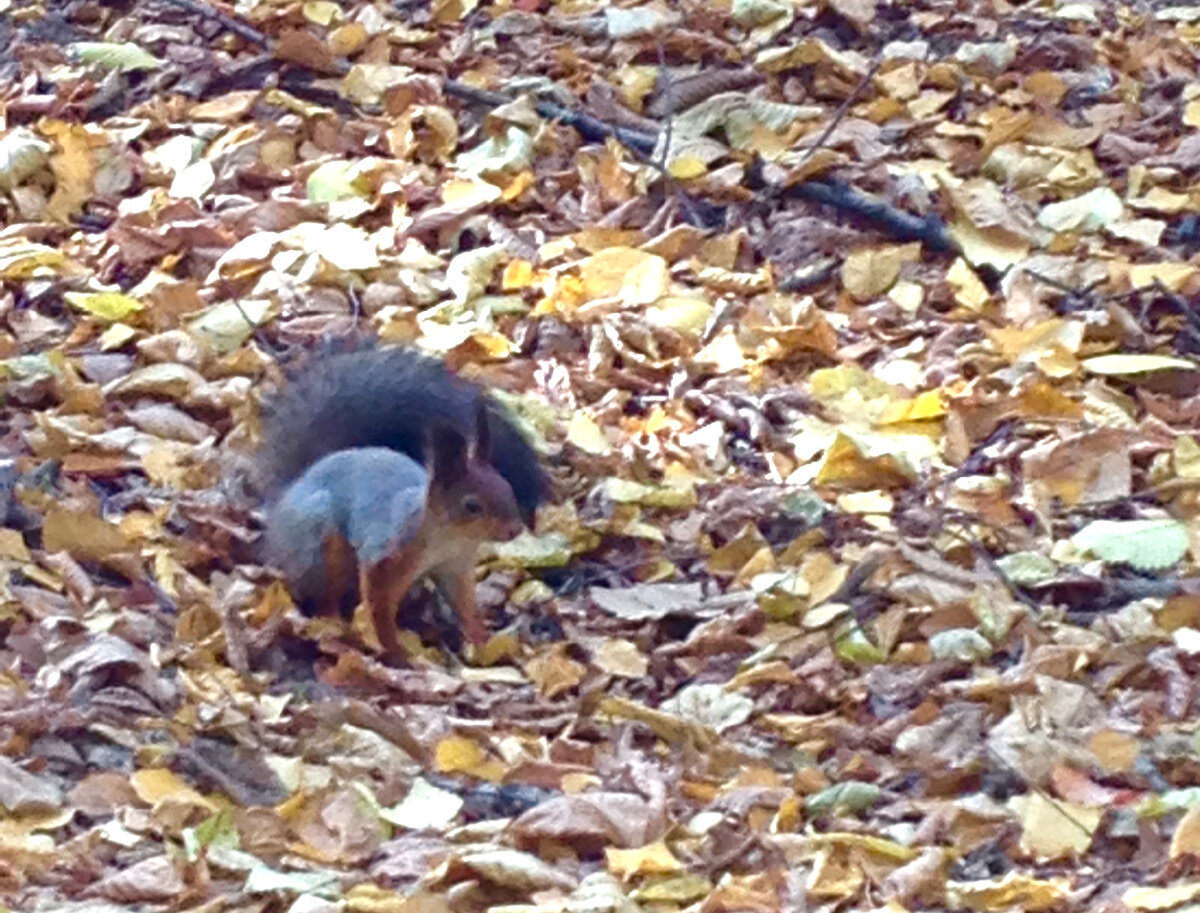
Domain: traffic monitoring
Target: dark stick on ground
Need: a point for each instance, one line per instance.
(226, 21)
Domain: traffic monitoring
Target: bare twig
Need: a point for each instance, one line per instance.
(590, 128)
(226, 21)
(843, 109)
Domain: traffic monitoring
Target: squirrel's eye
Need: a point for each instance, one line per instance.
(472, 506)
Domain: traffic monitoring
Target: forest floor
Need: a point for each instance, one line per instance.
(860, 339)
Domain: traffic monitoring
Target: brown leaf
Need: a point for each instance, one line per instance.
(153, 880)
(590, 822)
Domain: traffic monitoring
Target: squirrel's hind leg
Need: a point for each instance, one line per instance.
(384, 585)
(339, 592)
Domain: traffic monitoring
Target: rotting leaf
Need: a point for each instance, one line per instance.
(711, 705)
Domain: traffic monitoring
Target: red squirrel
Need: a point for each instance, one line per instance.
(382, 467)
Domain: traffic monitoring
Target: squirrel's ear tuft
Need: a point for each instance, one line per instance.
(446, 454)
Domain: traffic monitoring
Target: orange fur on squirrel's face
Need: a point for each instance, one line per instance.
(465, 489)
(480, 506)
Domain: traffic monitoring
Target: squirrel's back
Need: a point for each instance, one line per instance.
(366, 500)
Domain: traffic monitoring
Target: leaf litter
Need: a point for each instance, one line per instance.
(861, 341)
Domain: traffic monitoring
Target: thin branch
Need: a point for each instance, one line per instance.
(226, 21)
(843, 109)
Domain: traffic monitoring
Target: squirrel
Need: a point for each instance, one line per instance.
(381, 467)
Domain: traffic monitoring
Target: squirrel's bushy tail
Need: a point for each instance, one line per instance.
(385, 397)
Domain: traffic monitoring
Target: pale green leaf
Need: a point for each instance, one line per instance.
(1026, 568)
(123, 56)
(960, 644)
(1145, 545)
(851, 796)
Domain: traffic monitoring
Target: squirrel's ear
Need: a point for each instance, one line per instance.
(445, 454)
(483, 431)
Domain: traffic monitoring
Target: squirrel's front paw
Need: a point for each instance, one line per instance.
(396, 660)
(475, 632)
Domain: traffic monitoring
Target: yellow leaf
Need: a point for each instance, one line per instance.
(1046, 86)
(1171, 274)
(870, 271)
(1014, 891)
(585, 434)
(877, 505)
(1160, 199)
(1051, 345)
(761, 562)
(876, 846)
(117, 337)
(927, 405)
(554, 672)
(1155, 899)
(1137, 363)
(81, 534)
(495, 345)
(652, 859)
(1186, 839)
(835, 875)
(674, 891)
(777, 672)
(12, 545)
(469, 193)
(930, 103)
(686, 167)
(845, 464)
(668, 727)
(458, 754)
(157, 785)
(1187, 457)
(21, 259)
(348, 39)
(371, 898)
(619, 657)
(634, 83)
(517, 275)
(73, 168)
(687, 316)
(1116, 751)
(518, 185)
(733, 555)
(1040, 399)
(322, 12)
(168, 466)
(724, 354)
(598, 238)
(447, 12)
(969, 290)
(1053, 830)
(636, 276)
(107, 306)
